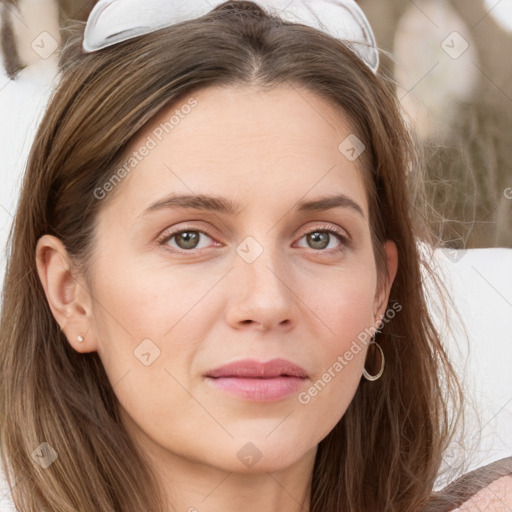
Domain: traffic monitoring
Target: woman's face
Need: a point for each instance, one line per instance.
(274, 262)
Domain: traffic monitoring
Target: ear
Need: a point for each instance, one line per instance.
(382, 295)
(67, 296)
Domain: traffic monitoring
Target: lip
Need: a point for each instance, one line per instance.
(258, 381)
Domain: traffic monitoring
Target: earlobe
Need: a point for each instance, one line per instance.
(69, 301)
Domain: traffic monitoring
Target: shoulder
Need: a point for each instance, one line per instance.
(487, 488)
(495, 497)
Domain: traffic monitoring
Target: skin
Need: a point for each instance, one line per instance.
(299, 300)
(496, 497)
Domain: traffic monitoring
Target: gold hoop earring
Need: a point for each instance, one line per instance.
(369, 377)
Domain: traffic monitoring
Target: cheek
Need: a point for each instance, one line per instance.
(345, 309)
(344, 304)
(150, 321)
(147, 329)
(137, 301)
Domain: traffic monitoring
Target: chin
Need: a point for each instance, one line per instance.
(253, 456)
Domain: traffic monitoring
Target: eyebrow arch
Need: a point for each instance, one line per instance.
(226, 206)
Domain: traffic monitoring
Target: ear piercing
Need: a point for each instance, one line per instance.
(377, 376)
(79, 339)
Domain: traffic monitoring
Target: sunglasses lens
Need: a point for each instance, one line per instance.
(114, 21)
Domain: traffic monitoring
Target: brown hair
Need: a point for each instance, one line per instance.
(385, 452)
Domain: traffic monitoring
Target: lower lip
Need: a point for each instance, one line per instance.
(258, 390)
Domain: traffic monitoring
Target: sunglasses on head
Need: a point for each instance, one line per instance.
(113, 21)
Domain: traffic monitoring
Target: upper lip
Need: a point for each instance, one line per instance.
(250, 368)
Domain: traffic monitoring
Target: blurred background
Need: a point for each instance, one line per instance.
(451, 63)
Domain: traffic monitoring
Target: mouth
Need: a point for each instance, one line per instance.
(259, 382)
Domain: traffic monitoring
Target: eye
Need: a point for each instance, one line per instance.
(184, 240)
(320, 239)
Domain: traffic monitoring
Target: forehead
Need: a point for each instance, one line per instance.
(282, 141)
(256, 110)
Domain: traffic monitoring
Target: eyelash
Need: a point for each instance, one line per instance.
(338, 233)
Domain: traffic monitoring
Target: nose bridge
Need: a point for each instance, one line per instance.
(259, 262)
(261, 279)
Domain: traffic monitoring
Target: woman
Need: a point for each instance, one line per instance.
(213, 298)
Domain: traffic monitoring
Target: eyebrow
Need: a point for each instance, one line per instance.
(226, 206)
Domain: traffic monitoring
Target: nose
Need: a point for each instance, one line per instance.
(262, 293)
